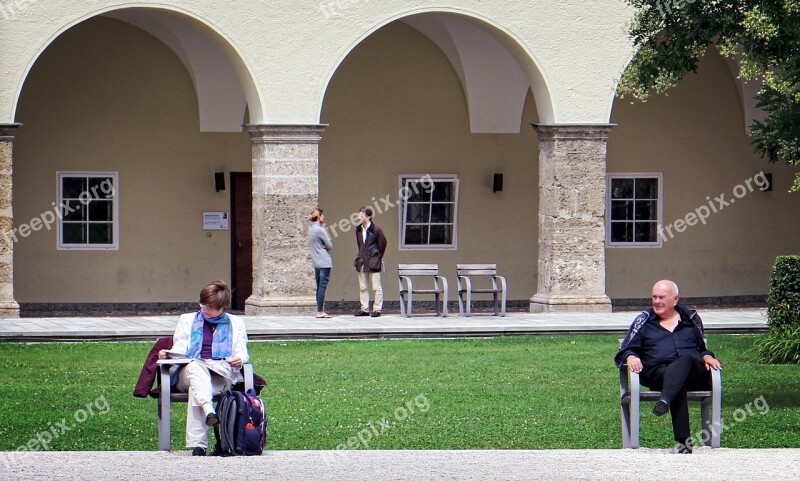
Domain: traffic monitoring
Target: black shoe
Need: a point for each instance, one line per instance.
(375, 314)
(684, 448)
(626, 398)
(212, 419)
(661, 408)
(361, 313)
(198, 451)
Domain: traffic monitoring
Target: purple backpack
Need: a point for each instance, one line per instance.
(242, 427)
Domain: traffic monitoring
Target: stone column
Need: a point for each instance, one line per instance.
(8, 306)
(572, 196)
(285, 190)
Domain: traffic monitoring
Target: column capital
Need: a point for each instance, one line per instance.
(285, 133)
(573, 131)
(7, 131)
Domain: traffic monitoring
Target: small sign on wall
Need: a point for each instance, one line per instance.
(215, 221)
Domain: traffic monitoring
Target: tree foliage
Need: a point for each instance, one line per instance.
(763, 35)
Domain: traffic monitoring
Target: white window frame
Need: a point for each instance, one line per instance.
(660, 209)
(402, 212)
(97, 194)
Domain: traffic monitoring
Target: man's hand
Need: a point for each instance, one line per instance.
(711, 363)
(163, 354)
(235, 362)
(634, 364)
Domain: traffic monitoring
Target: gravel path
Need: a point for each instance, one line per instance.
(705, 464)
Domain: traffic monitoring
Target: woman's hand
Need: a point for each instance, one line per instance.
(163, 354)
(235, 362)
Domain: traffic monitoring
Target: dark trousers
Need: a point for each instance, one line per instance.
(687, 373)
(321, 276)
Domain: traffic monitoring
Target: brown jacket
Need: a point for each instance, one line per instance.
(370, 254)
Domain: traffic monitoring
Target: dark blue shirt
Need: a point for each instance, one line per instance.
(659, 346)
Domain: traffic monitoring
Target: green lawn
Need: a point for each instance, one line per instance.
(501, 393)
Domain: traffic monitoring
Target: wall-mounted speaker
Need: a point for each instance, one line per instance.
(497, 184)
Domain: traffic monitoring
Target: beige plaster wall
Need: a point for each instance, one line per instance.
(396, 107)
(107, 96)
(696, 137)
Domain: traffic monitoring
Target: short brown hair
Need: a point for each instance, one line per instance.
(216, 295)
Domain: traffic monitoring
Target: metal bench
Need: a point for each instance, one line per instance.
(407, 271)
(710, 407)
(465, 288)
(167, 396)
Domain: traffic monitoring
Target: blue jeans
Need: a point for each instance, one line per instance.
(321, 275)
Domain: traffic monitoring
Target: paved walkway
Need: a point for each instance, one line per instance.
(349, 326)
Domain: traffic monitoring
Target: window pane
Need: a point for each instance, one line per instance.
(73, 210)
(100, 210)
(645, 232)
(622, 232)
(621, 210)
(441, 234)
(442, 213)
(100, 234)
(621, 188)
(646, 209)
(442, 191)
(417, 192)
(101, 187)
(418, 213)
(416, 234)
(646, 188)
(73, 233)
(72, 187)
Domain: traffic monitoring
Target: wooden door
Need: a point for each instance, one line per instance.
(241, 238)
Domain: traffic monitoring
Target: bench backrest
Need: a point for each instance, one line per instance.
(418, 269)
(476, 269)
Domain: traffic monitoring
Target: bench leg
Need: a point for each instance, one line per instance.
(625, 411)
(402, 304)
(436, 305)
(164, 412)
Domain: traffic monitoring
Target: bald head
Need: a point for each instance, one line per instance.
(665, 298)
(666, 285)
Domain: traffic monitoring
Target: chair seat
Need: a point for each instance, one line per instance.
(426, 291)
(691, 395)
(482, 291)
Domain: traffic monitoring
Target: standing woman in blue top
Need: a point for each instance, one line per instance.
(321, 244)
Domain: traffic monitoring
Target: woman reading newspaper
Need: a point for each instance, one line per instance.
(214, 345)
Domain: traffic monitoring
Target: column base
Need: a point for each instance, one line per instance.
(569, 303)
(9, 310)
(266, 306)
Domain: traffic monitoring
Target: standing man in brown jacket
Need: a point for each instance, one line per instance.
(369, 262)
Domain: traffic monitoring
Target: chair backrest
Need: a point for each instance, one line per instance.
(476, 269)
(418, 269)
